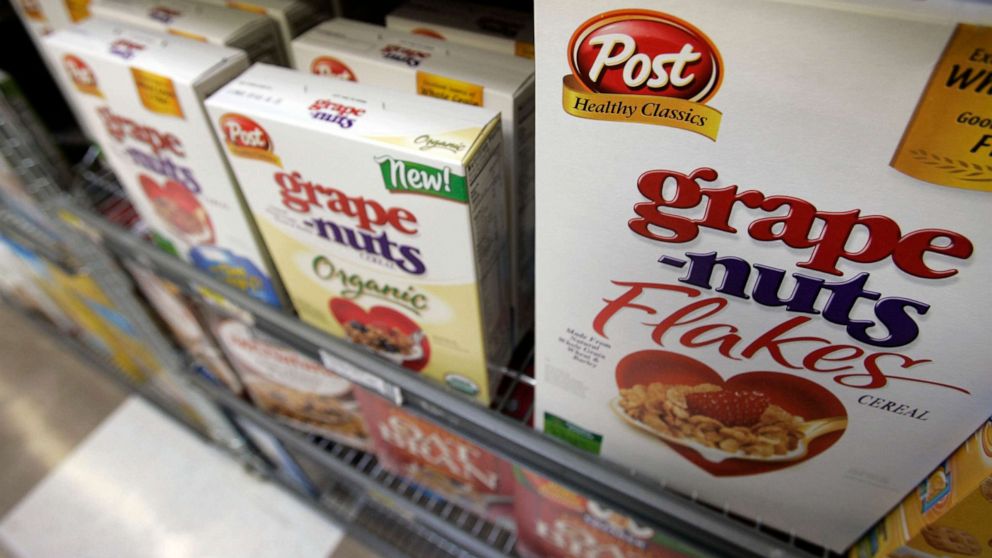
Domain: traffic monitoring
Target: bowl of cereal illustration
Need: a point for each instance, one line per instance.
(750, 423)
(384, 330)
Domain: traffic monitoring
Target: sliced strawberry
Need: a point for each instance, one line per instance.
(732, 408)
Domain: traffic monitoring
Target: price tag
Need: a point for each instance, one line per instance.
(361, 377)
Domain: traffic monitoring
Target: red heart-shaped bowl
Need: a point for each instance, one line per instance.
(796, 395)
(345, 311)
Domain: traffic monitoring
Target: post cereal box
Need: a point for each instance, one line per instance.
(292, 16)
(438, 460)
(252, 32)
(384, 213)
(380, 57)
(478, 25)
(181, 316)
(555, 522)
(762, 280)
(41, 17)
(949, 513)
(141, 94)
(280, 380)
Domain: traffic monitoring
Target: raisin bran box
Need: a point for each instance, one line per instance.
(949, 513)
(761, 275)
(438, 460)
(381, 57)
(293, 17)
(382, 237)
(555, 522)
(141, 96)
(296, 389)
(255, 33)
(478, 25)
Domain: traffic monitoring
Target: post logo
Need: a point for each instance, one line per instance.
(331, 67)
(645, 67)
(81, 75)
(125, 48)
(246, 138)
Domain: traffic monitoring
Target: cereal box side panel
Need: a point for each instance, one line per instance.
(278, 12)
(522, 216)
(621, 304)
(487, 199)
(407, 287)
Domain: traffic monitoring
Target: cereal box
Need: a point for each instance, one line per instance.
(381, 57)
(438, 460)
(141, 94)
(384, 213)
(41, 17)
(280, 380)
(555, 522)
(182, 317)
(770, 227)
(292, 16)
(949, 513)
(254, 33)
(478, 25)
(19, 286)
(102, 324)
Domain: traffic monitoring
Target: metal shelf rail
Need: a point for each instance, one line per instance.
(716, 532)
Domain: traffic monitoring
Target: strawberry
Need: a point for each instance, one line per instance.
(732, 408)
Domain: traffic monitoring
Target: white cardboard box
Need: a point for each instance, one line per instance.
(384, 213)
(253, 33)
(478, 25)
(381, 57)
(41, 17)
(292, 16)
(754, 195)
(141, 95)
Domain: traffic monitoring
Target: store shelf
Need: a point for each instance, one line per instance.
(460, 530)
(711, 531)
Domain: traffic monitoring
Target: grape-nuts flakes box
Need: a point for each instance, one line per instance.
(778, 212)
(384, 238)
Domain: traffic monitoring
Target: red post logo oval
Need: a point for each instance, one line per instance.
(246, 138)
(643, 52)
(79, 71)
(245, 132)
(331, 67)
(81, 74)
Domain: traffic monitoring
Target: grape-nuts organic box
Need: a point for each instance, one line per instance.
(764, 279)
(384, 213)
(254, 33)
(383, 57)
(141, 94)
